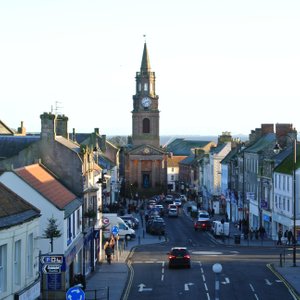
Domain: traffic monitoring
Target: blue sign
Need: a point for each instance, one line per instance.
(75, 293)
(115, 230)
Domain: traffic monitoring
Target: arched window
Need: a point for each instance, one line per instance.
(146, 125)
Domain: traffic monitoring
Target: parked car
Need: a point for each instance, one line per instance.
(133, 220)
(157, 226)
(183, 198)
(177, 202)
(169, 199)
(179, 257)
(160, 208)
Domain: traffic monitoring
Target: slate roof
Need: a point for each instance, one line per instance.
(230, 155)
(287, 165)
(13, 209)
(42, 181)
(174, 161)
(262, 143)
(188, 160)
(4, 129)
(12, 145)
(183, 147)
(218, 148)
(68, 143)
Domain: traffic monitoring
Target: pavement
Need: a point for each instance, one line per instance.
(110, 281)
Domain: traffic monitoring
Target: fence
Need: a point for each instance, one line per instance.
(99, 294)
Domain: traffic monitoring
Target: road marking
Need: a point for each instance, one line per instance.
(207, 253)
(142, 288)
(186, 286)
(227, 281)
(268, 282)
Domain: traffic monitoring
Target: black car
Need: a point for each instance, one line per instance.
(157, 226)
(179, 257)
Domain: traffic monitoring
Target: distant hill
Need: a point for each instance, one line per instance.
(166, 139)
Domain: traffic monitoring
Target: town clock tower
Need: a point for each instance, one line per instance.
(145, 168)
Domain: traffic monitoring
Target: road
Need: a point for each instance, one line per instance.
(244, 275)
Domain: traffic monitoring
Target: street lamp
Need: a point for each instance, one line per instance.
(277, 150)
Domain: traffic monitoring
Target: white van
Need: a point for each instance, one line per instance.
(219, 229)
(111, 220)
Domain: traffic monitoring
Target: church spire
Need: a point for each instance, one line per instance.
(145, 66)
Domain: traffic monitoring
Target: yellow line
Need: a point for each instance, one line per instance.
(289, 287)
(131, 275)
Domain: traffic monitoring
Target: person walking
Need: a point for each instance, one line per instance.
(279, 242)
(108, 251)
(290, 236)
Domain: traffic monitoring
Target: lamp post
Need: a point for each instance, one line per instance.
(276, 150)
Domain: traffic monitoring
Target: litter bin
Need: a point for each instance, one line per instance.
(237, 238)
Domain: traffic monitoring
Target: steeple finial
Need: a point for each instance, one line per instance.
(145, 60)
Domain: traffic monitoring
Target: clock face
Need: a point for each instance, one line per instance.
(146, 102)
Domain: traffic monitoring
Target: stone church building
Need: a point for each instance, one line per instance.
(145, 162)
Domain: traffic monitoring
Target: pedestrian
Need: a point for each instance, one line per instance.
(212, 212)
(251, 233)
(112, 243)
(256, 233)
(262, 232)
(279, 242)
(240, 224)
(289, 236)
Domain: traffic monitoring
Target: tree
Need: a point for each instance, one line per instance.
(52, 231)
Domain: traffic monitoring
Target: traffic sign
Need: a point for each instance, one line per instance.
(75, 293)
(52, 259)
(115, 230)
(105, 221)
(51, 269)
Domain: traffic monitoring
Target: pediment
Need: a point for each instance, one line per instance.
(146, 150)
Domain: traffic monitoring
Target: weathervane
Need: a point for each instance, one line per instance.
(144, 35)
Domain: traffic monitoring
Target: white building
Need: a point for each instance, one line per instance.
(19, 247)
(38, 187)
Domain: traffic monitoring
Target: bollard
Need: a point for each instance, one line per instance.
(217, 269)
(139, 240)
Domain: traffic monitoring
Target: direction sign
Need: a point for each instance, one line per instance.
(75, 293)
(115, 230)
(51, 269)
(52, 259)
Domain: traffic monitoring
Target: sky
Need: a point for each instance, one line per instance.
(220, 65)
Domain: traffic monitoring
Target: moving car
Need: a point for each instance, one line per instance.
(172, 210)
(203, 222)
(179, 257)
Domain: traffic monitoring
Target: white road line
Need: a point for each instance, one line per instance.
(203, 278)
(251, 287)
(208, 297)
(205, 286)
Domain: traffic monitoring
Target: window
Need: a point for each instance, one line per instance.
(69, 229)
(17, 263)
(140, 87)
(3, 268)
(78, 220)
(30, 255)
(172, 177)
(146, 125)
(145, 87)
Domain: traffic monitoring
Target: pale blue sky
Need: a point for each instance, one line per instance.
(220, 65)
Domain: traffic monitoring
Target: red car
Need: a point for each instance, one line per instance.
(202, 225)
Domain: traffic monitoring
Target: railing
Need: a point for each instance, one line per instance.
(98, 294)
